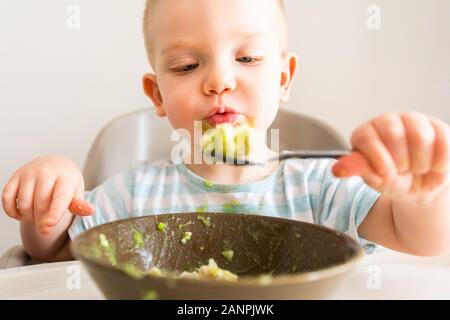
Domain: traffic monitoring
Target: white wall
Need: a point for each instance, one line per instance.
(58, 86)
(349, 73)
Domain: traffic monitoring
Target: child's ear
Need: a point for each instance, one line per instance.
(152, 91)
(290, 65)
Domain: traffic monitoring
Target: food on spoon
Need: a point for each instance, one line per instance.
(233, 141)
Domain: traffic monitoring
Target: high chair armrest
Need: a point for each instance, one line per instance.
(15, 257)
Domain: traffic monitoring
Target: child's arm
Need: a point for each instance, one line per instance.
(407, 158)
(43, 195)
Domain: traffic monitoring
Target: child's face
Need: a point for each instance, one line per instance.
(209, 54)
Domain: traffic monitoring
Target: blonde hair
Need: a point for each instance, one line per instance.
(146, 26)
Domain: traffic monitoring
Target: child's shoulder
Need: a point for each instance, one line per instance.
(158, 164)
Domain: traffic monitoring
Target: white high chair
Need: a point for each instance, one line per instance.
(142, 135)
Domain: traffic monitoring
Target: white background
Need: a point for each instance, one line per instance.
(58, 87)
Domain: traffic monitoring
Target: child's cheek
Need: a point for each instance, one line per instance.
(183, 110)
(264, 103)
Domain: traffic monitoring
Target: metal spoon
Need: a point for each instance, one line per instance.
(302, 154)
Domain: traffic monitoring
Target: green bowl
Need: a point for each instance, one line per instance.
(274, 258)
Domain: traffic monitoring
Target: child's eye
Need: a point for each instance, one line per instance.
(247, 60)
(186, 68)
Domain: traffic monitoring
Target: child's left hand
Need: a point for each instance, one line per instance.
(406, 156)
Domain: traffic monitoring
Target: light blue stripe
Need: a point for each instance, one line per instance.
(355, 194)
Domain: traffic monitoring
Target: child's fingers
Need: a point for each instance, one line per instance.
(355, 164)
(392, 133)
(62, 196)
(367, 141)
(76, 206)
(434, 180)
(42, 199)
(9, 198)
(25, 198)
(421, 138)
(80, 207)
(441, 156)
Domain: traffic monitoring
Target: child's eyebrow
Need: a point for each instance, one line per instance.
(249, 34)
(180, 44)
(176, 45)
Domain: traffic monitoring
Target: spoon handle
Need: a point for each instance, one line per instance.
(307, 154)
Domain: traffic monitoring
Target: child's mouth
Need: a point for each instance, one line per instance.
(226, 117)
(223, 114)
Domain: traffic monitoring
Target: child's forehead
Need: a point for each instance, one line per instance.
(170, 21)
(214, 7)
(229, 19)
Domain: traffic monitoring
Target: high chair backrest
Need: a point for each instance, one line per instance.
(142, 135)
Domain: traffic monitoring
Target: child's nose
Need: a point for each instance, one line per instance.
(219, 80)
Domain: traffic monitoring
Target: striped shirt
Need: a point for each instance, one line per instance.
(301, 189)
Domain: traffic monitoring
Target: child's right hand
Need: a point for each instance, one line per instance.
(42, 190)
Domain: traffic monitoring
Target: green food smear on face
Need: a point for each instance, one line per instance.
(107, 249)
(186, 236)
(138, 239)
(150, 295)
(206, 220)
(228, 255)
(161, 226)
(133, 271)
(180, 226)
(208, 184)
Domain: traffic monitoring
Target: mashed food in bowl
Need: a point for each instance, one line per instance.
(211, 271)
